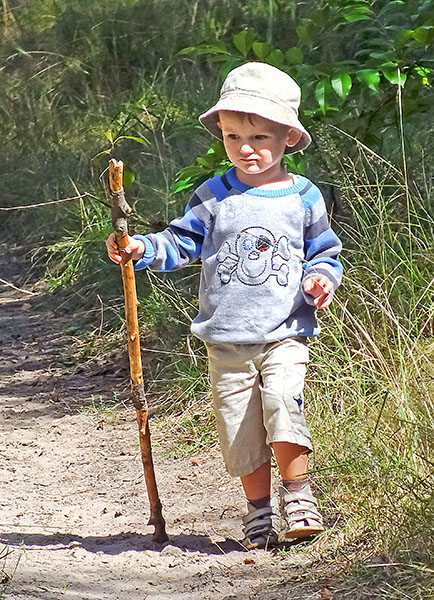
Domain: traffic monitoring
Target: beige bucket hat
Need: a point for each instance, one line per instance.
(263, 90)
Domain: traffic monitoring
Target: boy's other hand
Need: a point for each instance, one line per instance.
(319, 287)
(135, 248)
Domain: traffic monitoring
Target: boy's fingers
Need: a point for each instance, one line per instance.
(131, 246)
(324, 282)
(307, 285)
(115, 257)
(328, 287)
(323, 301)
(134, 249)
(111, 243)
(313, 287)
(318, 286)
(113, 249)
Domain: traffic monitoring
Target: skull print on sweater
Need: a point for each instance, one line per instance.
(257, 245)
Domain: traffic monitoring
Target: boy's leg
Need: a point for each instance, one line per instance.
(261, 525)
(238, 406)
(283, 369)
(292, 460)
(257, 485)
(298, 506)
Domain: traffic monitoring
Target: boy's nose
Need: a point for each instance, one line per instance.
(246, 149)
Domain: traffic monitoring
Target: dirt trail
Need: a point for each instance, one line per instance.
(72, 495)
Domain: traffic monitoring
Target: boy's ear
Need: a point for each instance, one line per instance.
(219, 125)
(294, 136)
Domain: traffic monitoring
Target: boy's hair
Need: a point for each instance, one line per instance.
(246, 116)
(259, 89)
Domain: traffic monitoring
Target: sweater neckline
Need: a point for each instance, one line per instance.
(265, 193)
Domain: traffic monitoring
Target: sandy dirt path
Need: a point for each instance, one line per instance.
(72, 494)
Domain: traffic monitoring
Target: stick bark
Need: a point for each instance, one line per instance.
(120, 211)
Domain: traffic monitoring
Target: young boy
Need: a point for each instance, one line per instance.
(269, 260)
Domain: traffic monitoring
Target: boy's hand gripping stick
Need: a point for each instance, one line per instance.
(120, 211)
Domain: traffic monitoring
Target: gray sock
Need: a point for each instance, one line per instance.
(260, 502)
(297, 485)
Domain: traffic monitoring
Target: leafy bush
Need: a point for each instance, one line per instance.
(363, 66)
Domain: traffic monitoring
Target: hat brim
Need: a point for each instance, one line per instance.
(246, 103)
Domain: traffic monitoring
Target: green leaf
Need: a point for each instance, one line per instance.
(294, 56)
(296, 163)
(306, 33)
(392, 6)
(22, 51)
(276, 58)
(228, 65)
(190, 172)
(109, 135)
(181, 184)
(391, 72)
(262, 49)
(322, 91)
(357, 12)
(205, 48)
(321, 16)
(214, 162)
(402, 35)
(424, 35)
(218, 150)
(243, 41)
(354, 18)
(342, 84)
(423, 72)
(312, 113)
(383, 56)
(369, 76)
(136, 139)
(128, 178)
(206, 161)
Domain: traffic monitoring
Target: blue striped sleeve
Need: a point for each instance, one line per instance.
(180, 243)
(321, 244)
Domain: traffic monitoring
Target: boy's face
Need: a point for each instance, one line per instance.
(256, 145)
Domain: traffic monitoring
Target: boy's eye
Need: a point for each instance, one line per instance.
(232, 136)
(261, 137)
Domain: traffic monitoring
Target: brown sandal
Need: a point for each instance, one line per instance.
(300, 514)
(261, 526)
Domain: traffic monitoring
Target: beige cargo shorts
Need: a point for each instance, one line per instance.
(258, 399)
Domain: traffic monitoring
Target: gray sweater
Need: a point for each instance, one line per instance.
(257, 246)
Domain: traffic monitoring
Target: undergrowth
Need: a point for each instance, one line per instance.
(104, 411)
(370, 384)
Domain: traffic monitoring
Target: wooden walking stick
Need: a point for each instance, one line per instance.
(120, 211)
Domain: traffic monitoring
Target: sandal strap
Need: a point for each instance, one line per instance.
(301, 507)
(261, 525)
(259, 514)
(298, 496)
(305, 516)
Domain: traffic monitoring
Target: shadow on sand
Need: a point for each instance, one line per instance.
(118, 543)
